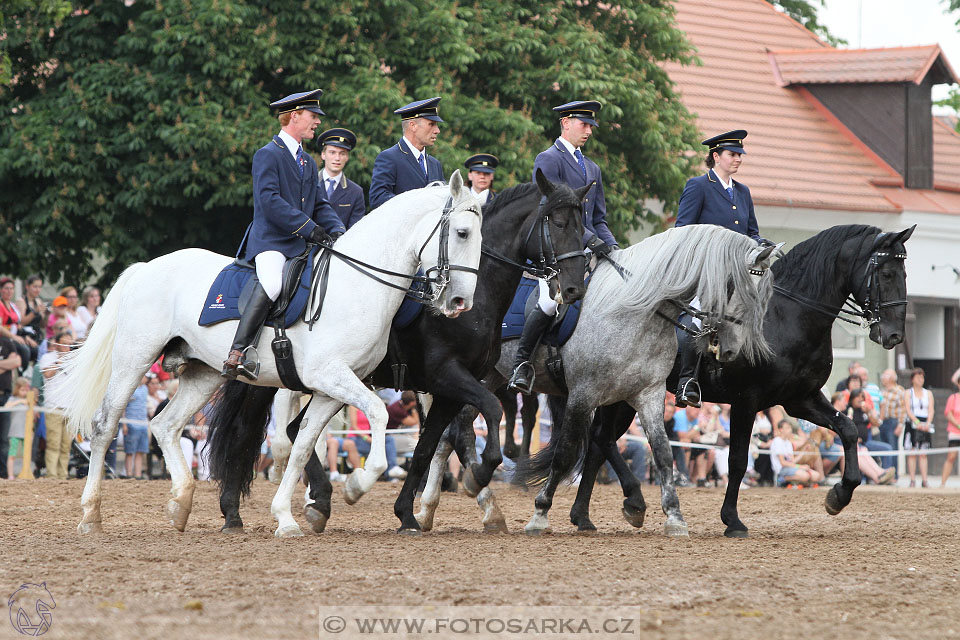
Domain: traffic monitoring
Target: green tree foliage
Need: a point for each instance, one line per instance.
(129, 130)
(805, 12)
(953, 97)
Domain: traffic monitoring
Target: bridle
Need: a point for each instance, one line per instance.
(547, 266)
(868, 312)
(418, 290)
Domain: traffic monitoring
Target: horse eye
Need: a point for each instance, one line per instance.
(463, 234)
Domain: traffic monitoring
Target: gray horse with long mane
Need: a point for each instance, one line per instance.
(624, 347)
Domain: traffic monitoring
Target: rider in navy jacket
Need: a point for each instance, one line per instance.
(346, 196)
(289, 209)
(398, 169)
(564, 162)
(713, 198)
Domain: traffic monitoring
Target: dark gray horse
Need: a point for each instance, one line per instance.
(623, 349)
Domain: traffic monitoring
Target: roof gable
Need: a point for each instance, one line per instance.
(824, 65)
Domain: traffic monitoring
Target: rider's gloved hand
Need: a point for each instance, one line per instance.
(335, 236)
(599, 247)
(318, 236)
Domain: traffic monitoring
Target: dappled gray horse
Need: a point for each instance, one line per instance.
(624, 348)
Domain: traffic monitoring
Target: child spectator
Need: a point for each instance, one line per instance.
(59, 314)
(785, 468)
(136, 434)
(18, 419)
(59, 439)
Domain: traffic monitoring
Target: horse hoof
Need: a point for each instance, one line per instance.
(832, 502)
(586, 527)
(177, 515)
(89, 527)
(738, 532)
(511, 450)
(535, 532)
(316, 518)
(634, 516)
(292, 531)
(496, 526)
(351, 489)
(470, 485)
(676, 530)
(232, 529)
(409, 531)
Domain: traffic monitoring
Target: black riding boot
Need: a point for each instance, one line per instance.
(251, 320)
(688, 389)
(534, 327)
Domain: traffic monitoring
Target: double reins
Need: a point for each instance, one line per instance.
(548, 263)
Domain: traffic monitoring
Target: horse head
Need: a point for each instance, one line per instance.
(882, 289)
(557, 237)
(450, 255)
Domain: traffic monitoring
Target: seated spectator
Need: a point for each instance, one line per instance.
(633, 451)
(33, 311)
(88, 308)
(786, 469)
(867, 422)
(59, 438)
(357, 421)
(760, 440)
(136, 433)
(681, 474)
(855, 383)
(868, 466)
(827, 443)
(402, 414)
(18, 418)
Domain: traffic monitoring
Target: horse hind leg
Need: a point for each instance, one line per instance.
(430, 498)
(105, 423)
(508, 401)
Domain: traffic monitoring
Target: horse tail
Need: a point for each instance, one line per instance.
(85, 374)
(235, 430)
(534, 470)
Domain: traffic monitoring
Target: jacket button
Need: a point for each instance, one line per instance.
(302, 200)
(736, 222)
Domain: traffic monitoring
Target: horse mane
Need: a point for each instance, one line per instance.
(815, 259)
(699, 260)
(508, 196)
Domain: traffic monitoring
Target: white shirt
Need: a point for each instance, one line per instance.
(725, 185)
(570, 148)
(416, 152)
(292, 144)
(326, 177)
(481, 195)
(779, 447)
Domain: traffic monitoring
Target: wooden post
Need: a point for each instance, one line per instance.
(26, 473)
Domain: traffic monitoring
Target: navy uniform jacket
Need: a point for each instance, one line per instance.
(396, 171)
(559, 165)
(705, 201)
(286, 205)
(347, 200)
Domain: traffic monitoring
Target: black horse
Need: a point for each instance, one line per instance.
(535, 227)
(813, 282)
(528, 417)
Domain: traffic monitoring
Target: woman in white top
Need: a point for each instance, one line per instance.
(73, 300)
(919, 432)
(89, 307)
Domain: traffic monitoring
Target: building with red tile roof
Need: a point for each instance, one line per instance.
(837, 136)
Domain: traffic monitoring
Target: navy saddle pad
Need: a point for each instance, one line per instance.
(562, 328)
(224, 296)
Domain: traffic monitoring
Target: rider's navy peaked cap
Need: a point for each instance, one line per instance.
(482, 162)
(304, 101)
(585, 110)
(343, 138)
(731, 140)
(420, 109)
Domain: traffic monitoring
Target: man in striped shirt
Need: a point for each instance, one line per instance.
(893, 412)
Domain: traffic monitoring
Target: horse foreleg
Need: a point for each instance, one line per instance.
(741, 426)
(430, 497)
(819, 411)
(528, 416)
(508, 402)
(650, 407)
(317, 509)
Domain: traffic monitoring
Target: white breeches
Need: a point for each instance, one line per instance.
(547, 304)
(270, 271)
(695, 303)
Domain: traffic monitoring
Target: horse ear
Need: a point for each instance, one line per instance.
(883, 239)
(904, 235)
(456, 184)
(757, 255)
(546, 187)
(582, 191)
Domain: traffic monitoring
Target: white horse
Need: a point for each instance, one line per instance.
(153, 310)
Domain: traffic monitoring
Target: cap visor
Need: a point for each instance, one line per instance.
(316, 110)
(434, 118)
(481, 169)
(590, 121)
(337, 144)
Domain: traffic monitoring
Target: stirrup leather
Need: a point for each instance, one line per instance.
(523, 378)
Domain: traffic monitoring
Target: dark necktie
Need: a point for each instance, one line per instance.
(579, 157)
(300, 159)
(730, 193)
(423, 164)
(331, 185)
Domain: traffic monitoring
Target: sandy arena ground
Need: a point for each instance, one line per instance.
(887, 567)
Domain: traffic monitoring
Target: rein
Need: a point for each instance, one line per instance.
(869, 311)
(546, 268)
(419, 294)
